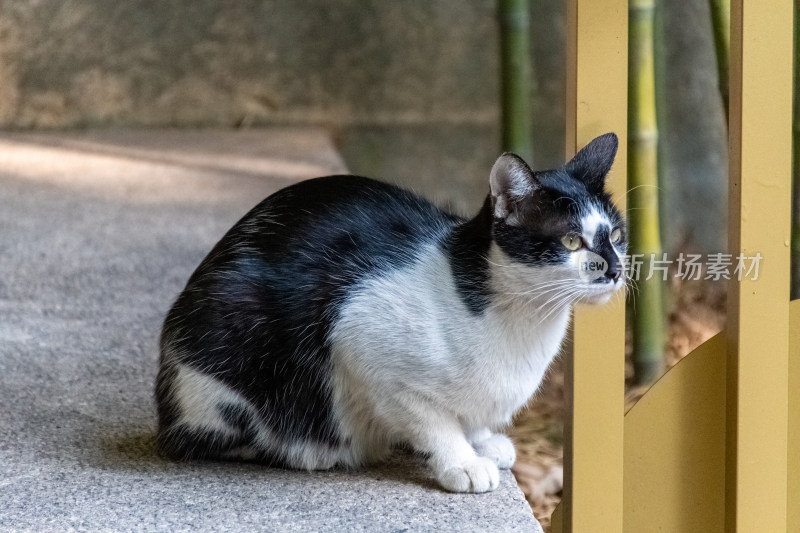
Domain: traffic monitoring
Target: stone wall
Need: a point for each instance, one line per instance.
(209, 63)
(408, 88)
(387, 74)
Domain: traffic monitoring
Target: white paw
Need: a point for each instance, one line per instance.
(499, 449)
(476, 475)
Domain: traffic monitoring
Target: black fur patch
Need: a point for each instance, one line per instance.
(467, 249)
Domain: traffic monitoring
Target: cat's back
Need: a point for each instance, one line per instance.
(354, 222)
(301, 249)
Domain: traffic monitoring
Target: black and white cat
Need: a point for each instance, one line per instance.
(343, 316)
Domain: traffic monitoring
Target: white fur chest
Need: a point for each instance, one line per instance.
(409, 335)
(507, 360)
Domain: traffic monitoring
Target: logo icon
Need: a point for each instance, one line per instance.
(591, 266)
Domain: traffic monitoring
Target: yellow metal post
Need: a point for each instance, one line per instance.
(758, 311)
(793, 497)
(597, 75)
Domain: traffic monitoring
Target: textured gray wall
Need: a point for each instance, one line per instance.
(409, 89)
(449, 159)
(204, 62)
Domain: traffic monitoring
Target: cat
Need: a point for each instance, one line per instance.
(342, 317)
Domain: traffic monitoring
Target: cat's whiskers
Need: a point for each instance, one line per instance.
(543, 288)
(540, 303)
(618, 297)
(644, 185)
(569, 298)
(551, 298)
(564, 301)
(633, 289)
(565, 292)
(617, 197)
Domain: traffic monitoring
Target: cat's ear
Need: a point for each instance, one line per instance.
(511, 180)
(592, 163)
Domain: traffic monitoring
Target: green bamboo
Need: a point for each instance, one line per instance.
(721, 23)
(515, 66)
(647, 313)
(660, 46)
(795, 248)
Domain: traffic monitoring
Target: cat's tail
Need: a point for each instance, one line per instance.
(202, 417)
(198, 416)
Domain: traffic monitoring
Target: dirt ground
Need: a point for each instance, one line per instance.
(698, 313)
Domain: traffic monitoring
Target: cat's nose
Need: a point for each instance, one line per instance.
(613, 274)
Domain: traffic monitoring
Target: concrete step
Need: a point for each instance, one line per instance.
(99, 231)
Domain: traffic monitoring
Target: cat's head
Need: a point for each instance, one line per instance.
(561, 224)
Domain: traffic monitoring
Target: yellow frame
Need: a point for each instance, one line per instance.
(759, 221)
(597, 74)
(712, 445)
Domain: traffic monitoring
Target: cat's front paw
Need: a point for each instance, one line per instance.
(499, 449)
(477, 475)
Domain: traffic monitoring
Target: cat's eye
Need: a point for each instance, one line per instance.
(616, 235)
(571, 242)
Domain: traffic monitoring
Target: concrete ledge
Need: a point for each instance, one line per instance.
(99, 233)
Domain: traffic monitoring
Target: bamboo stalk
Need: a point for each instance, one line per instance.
(647, 313)
(515, 66)
(721, 23)
(795, 246)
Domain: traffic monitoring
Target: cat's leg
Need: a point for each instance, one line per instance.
(451, 457)
(494, 446)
